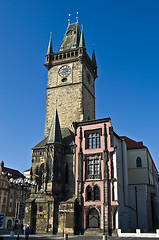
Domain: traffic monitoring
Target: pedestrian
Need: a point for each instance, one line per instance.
(24, 228)
(27, 230)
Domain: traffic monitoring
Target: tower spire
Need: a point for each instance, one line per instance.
(82, 42)
(55, 130)
(50, 49)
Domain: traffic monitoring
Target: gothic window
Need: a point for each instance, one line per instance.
(66, 174)
(93, 138)
(96, 191)
(49, 169)
(138, 162)
(41, 176)
(89, 194)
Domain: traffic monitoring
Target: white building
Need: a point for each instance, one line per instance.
(143, 187)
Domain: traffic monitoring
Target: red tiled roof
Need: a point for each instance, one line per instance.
(132, 144)
(12, 173)
(28, 170)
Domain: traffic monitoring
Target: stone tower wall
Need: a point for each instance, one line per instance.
(74, 101)
(88, 104)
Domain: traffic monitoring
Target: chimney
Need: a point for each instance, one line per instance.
(1, 166)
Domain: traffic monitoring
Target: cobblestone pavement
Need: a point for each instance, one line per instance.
(54, 237)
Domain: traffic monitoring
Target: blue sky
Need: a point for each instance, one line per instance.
(126, 38)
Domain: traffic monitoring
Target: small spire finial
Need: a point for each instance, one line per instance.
(77, 17)
(82, 27)
(94, 57)
(69, 18)
(50, 34)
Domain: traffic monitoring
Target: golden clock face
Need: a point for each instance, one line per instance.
(64, 71)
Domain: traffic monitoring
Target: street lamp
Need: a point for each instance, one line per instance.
(63, 212)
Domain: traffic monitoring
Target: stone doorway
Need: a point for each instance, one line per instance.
(93, 219)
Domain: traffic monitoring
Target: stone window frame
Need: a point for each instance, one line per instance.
(93, 166)
(96, 197)
(86, 136)
(91, 193)
(93, 157)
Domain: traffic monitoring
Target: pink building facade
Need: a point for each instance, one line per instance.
(94, 174)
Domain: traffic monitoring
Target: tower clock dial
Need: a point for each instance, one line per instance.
(64, 71)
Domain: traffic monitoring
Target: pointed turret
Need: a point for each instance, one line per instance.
(82, 42)
(94, 59)
(50, 49)
(55, 130)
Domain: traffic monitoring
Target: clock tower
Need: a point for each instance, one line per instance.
(70, 84)
(69, 98)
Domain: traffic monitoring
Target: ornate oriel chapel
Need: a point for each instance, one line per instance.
(80, 167)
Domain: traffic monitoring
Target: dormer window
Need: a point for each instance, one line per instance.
(61, 48)
(70, 32)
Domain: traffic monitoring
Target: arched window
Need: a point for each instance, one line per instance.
(96, 193)
(66, 174)
(49, 169)
(9, 224)
(41, 176)
(138, 162)
(89, 193)
(37, 170)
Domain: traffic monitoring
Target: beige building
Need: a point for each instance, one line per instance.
(143, 187)
(12, 197)
(27, 173)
